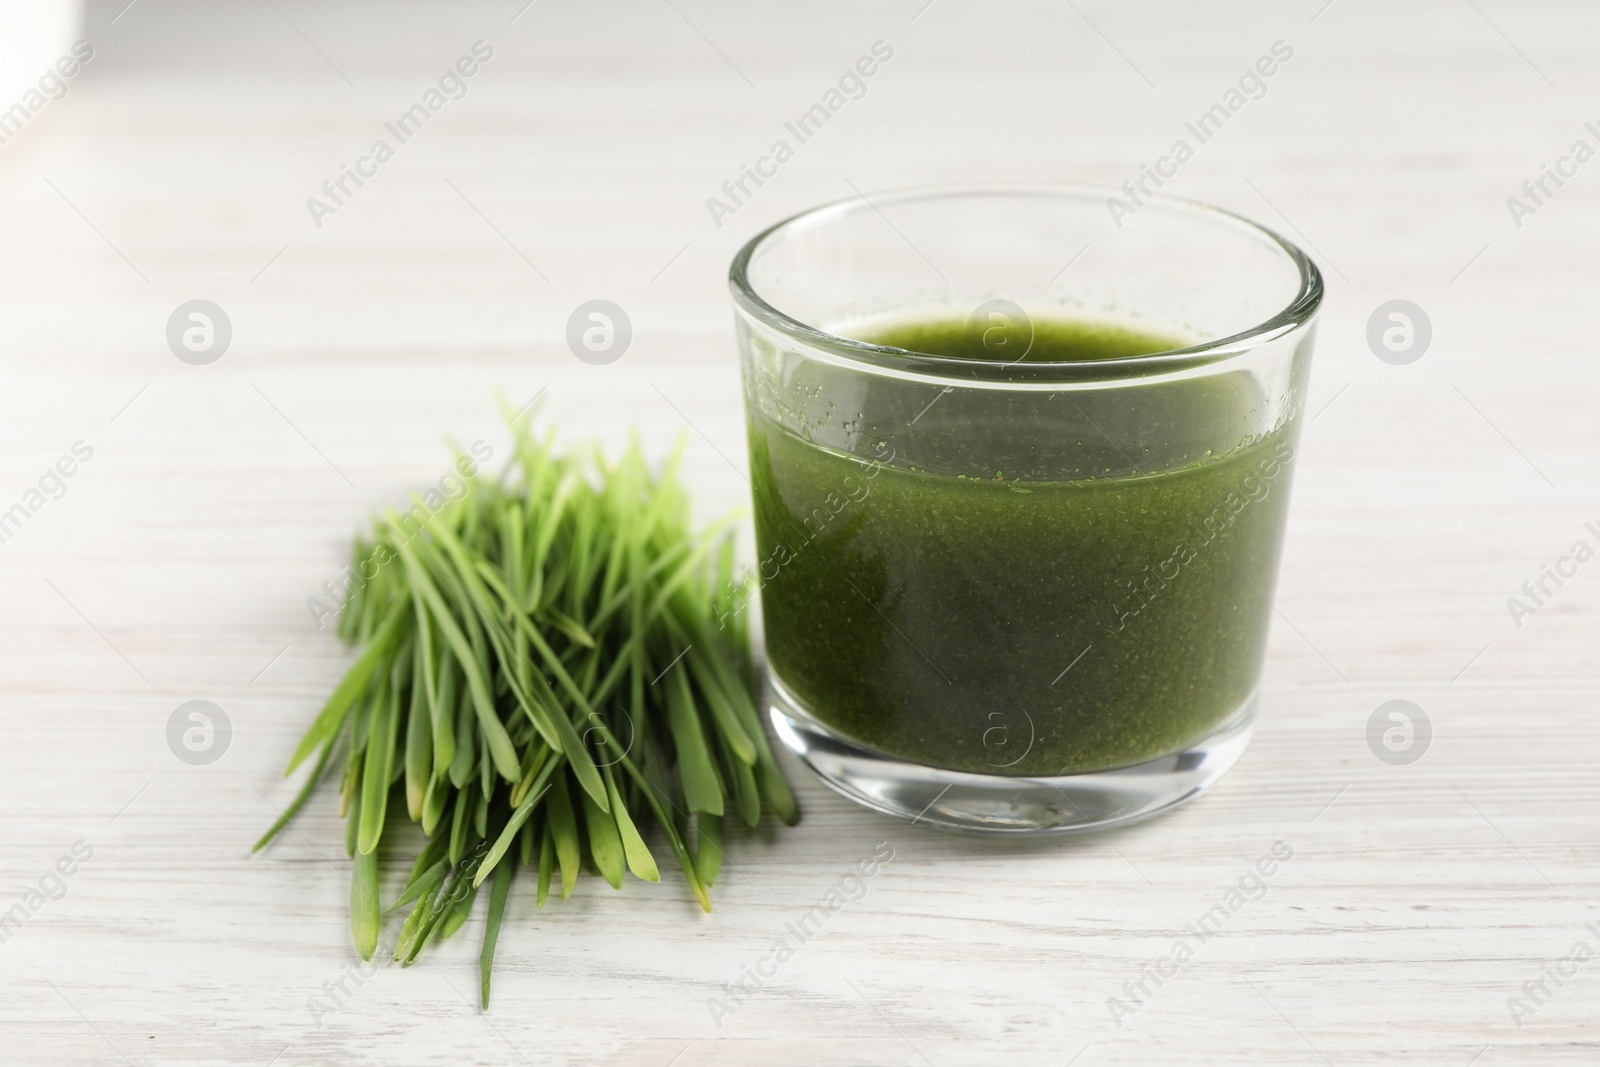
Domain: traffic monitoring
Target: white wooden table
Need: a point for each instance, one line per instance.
(218, 498)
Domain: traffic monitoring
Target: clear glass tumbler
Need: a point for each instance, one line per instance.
(1007, 584)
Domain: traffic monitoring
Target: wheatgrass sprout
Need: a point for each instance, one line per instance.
(551, 666)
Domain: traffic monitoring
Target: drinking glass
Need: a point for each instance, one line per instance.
(1007, 593)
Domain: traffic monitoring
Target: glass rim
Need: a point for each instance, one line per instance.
(1298, 312)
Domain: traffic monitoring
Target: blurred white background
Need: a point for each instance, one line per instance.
(33, 34)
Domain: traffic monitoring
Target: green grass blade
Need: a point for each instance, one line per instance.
(478, 599)
(423, 913)
(375, 774)
(605, 844)
(352, 820)
(434, 801)
(505, 756)
(640, 862)
(300, 797)
(525, 844)
(349, 688)
(708, 847)
(458, 827)
(769, 776)
(702, 791)
(569, 626)
(430, 879)
(547, 861)
(654, 791)
(466, 758)
(567, 739)
(746, 796)
(431, 853)
(533, 763)
(508, 836)
(723, 713)
(491, 930)
(654, 797)
(564, 827)
(456, 917)
(419, 738)
(448, 678)
(364, 912)
(440, 918)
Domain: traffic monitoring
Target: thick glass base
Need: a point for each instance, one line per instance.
(957, 800)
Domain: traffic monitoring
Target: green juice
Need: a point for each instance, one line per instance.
(1094, 606)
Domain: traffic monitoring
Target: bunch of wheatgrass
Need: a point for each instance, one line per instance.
(547, 662)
